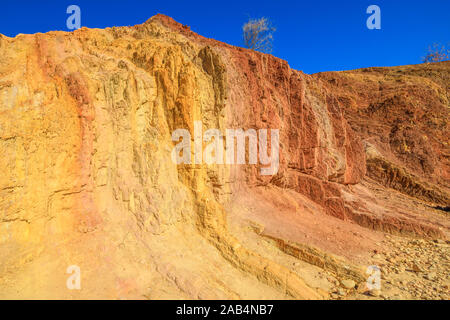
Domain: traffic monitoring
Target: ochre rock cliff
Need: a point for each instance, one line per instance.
(86, 120)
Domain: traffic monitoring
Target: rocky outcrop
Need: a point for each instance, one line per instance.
(402, 114)
(86, 129)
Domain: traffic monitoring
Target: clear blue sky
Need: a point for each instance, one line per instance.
(312, 35)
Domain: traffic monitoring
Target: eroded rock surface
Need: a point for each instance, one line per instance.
(86, 120)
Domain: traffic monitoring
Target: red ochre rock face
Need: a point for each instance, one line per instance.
(86, 121)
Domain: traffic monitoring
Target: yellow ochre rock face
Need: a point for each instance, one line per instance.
(86, 123)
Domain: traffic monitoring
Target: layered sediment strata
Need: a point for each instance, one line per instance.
(86, 128)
